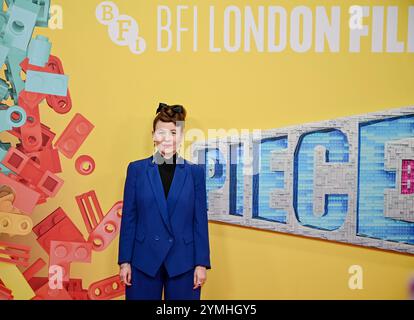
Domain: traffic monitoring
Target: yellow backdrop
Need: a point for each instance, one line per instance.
(118, 91)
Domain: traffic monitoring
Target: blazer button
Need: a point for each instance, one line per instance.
(170, 239)
(156, 238)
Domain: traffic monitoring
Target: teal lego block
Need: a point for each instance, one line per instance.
(4, 90)
(3, 21)
(4, 147)
(11, 117)
(13, 71)
(39, 51)
(4, 52)
(47, 83)
(44, 12)
(21, 23)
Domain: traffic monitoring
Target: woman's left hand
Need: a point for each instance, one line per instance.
(200, 276)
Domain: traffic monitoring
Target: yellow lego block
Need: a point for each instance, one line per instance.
(15, 281)
(13, 223)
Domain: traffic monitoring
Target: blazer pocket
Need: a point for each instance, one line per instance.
(140, 237)
(188, 239)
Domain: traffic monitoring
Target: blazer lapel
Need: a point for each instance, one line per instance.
(166, 206)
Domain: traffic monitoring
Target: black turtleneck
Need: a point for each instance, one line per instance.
(166, 168)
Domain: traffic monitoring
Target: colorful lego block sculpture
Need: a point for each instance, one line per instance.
(29, 169)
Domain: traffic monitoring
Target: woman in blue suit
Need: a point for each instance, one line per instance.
(164, 242)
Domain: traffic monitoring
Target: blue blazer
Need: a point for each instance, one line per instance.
(155, 229)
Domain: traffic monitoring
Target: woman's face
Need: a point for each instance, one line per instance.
(167, 137)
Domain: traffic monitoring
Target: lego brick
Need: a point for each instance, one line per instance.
(85, 165)
(46, 83)
(3, 168)
(74, 135)
(4, 90)
(10, 117)
(105, 289)
(31, 131)
(107, 229)
(90, 209)
(19, 28)
(47, 137)
(43, 15)
(25, 197)
(56, 226)
(34, 268)
(14, 280)
(46, 293)
(63, 253)
(22, 165)
(75, 290)
(4, 51)
(39, 51)
(15, 224)
(6, 200)
(5, 293)
(47, 158)
(60, 104)
(17, 254)
(37, 282)
(12, 73)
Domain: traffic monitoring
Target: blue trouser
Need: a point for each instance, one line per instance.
(145, 287)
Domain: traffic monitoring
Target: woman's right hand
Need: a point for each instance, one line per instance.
(125, 273)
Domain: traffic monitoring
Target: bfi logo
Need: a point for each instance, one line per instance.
(348, 180)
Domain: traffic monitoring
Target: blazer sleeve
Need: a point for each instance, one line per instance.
(129, 217)
(201, 238)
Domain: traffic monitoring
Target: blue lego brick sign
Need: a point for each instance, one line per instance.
(348, 180)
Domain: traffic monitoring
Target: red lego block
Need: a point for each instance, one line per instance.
(74, 135)
(74, 288)
(107, 229)
(34, 268)
(25, 197)
(47, 159)
(14, 253)
(47, 137)
(90, 209)
(31, 131)
(80, 163)
(37, 282)
(105, 289)
(102, 229)
(56, 226)
(45, 181)
(63, 253)
(5, 293)
(47, 293)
